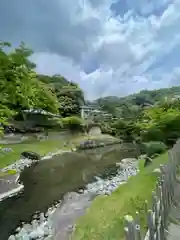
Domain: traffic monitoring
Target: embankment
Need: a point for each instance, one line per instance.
(105, 218)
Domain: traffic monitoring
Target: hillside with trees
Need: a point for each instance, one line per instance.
(131, 104)
(150, 118)
(21, 88)
(141, 117)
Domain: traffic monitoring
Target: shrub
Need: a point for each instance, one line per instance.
(107, 129)
(152, 134)
(73, 123)
(151, 148)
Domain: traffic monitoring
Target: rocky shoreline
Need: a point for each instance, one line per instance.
(127, 168)
(20, 164)
(61, 218)
(39, 228)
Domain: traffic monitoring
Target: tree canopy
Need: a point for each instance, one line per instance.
(145, 116)
(70, 96)
(134, 103)
(22, 88)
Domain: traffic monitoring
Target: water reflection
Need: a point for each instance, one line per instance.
(50, 180)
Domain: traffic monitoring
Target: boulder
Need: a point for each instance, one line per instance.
(87, 144)
(128, 160)
(31, 155)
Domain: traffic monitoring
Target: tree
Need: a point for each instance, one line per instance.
(73, 123)
(69, 94)
(160, 124)
(67, 106)
(19, 86)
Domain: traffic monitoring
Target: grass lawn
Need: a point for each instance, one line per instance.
(104, 220)
(41, 147)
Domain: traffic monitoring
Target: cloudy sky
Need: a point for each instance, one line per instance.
(110, 47)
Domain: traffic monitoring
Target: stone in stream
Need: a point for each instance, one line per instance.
(42, 218)
(27, 227)
(46, 230)
(31, 155)
(22, 233)
(25, 237)
(34, 224)
(12, 237)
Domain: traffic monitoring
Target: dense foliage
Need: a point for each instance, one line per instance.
(133, 105)
(70, 96)
(143, 117)
(148, 117)
(73, 123)
(22, 88)
(19, 85)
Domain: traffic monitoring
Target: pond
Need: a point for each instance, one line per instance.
(48, 181)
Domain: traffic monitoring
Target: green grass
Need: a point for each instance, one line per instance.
(8, 172)
(41, 147)
(104, 220)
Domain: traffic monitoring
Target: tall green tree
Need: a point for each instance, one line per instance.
(19, 86)
(70, 96)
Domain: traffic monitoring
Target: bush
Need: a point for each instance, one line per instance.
(107, 129)
(73, 123)
(152, 134)
(151, 148)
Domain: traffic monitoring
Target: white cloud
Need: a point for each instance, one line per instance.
(104, 53)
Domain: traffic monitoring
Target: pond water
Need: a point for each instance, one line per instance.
(48, 181)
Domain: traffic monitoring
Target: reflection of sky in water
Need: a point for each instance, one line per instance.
(51, 179)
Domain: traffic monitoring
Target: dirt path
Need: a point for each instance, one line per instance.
(72, 207)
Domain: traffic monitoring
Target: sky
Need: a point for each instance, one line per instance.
(109, 47)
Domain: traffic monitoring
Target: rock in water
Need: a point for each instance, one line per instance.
(31, 155)
(12, 237)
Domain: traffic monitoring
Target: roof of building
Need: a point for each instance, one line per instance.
(41, 111)
(89, 107)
